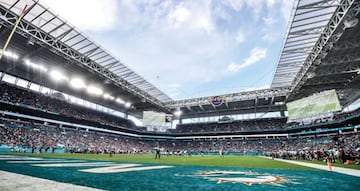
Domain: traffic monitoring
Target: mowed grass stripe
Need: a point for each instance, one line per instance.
(227, 161)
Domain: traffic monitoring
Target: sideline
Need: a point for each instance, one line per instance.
(12, 181)
(348, 171)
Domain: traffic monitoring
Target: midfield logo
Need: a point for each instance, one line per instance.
(247, 178)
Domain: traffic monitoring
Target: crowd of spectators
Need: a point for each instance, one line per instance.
(24, 136)
(337, 148)
(46, 102)
(16, 95)
(234, 126)
(343, 115)
(261, 124)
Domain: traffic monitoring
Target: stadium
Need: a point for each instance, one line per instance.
(73, 116)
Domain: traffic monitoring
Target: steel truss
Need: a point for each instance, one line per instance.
(311, 34)
(241, 96)
(37, 35)
(346, 10)
(347, 44)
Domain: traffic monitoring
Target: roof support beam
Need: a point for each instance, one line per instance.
(347, 44)
(326, 38)
(321, 4)
(189, 108)
(39, 15)
(232, 97)
(201, 107)
(111, 58)
(62, 35)
(84, 46)
(110, 65)
(78, 42)
(47, 22)
(30, 30)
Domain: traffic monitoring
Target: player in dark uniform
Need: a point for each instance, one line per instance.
(157, 155)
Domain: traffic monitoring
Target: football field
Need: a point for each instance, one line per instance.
(144, 172)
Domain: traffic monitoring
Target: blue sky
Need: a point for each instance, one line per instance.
(187, 48)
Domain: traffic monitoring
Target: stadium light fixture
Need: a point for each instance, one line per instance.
(10, 54)
(127, 104)
(177, 113)
(38, 67)
(58, 76)
(94, 90)
(279, 103)
(119, 100)
(42, 68)
(77, 83)
(107, 96)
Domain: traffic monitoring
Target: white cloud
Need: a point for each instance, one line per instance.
(271, 3)
(192, 15)
(240, 37)
(256, 55)
(234, 4)
(179, 15)
(257, 6)
(269, 37)
(220, 13)
(269, 21)
(91, 15)
(174, 85)
(174, 89)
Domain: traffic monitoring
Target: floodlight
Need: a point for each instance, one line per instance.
(119, 100)
(111, 97)
(39, 67)
(58, 76)
(11, 55)
(107, 96)
(94, 90)
(178, 113)
(77, 83)
(127, 104)
(42, 68)
(27, 62)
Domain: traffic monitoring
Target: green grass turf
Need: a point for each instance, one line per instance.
(227, 161)
(351, 166)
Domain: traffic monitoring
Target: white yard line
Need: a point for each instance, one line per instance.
(20, 158)
(45, 161)
(75, 164)
(123, 168)
(348, 171)
(11, 181)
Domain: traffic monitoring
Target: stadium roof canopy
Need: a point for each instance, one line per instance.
(320, 52)
(41, 26)
(308, 22)
(333, 62)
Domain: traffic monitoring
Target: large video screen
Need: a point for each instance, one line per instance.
(152, 118)
(320, 103)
